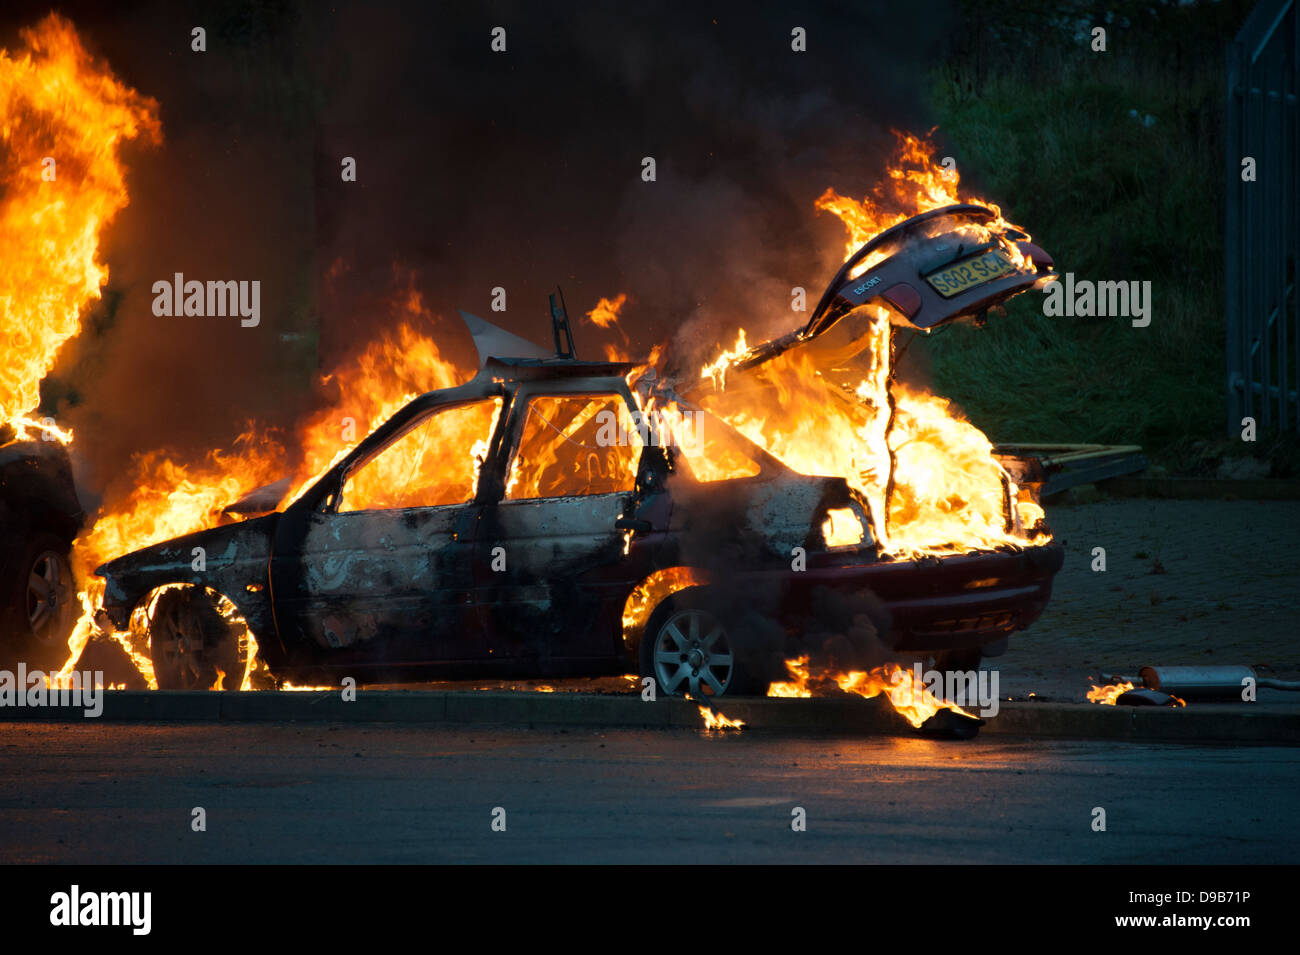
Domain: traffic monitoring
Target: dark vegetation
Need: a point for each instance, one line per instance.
(1114, 161)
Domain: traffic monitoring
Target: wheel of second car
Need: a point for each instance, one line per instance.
(191, 643)
(690, 648)
(40, 601)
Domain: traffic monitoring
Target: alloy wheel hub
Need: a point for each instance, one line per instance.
(692, 655)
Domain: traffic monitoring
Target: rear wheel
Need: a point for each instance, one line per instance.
(191, 644)
(689, 647)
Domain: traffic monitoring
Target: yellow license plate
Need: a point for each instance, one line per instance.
(967, 274)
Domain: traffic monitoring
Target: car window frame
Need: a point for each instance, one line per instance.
(515, 414)
(327, 493)
(416, 423)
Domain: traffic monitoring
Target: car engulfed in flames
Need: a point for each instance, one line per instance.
(561, 517)
(789, 517)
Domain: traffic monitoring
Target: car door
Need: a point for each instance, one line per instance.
(551, 563)
(382, 574)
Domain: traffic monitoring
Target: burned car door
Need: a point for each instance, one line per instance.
(381, 572)
(552, 564)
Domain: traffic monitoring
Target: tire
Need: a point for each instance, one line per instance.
(689, 647)
(191, 644)
(40, 605)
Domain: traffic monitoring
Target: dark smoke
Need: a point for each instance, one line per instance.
(837, 631)
(475, 170)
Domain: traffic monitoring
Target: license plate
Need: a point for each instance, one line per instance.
(966, 274)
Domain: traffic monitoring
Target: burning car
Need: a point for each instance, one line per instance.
(562, 517)
(39, 517)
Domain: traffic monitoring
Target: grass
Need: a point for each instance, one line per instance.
(1049, 136)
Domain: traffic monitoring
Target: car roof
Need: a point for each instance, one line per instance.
(540, 369)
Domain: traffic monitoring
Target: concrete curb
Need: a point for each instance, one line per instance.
(1278, 724)
(1235, 723)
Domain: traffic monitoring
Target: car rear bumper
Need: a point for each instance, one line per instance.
(946, 603)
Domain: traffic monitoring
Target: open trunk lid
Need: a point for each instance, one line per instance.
(930, 270)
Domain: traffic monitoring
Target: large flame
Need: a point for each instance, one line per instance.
(929, 475)
(161, 497)
(63, 120)
(946, 491)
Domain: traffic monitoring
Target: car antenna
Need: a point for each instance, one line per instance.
(560, 327)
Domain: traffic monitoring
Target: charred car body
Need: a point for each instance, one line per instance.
(39, 517)
(536, 521)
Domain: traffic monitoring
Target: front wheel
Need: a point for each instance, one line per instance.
(689, 647)
(193, 647)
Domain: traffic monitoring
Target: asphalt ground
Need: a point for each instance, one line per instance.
(1187, 583)
(279, 793)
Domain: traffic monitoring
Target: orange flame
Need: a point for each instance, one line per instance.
(798, 687)
(929, 475)
(716, 721)
(161, 497)
(1106, 695)
(652, 592)
(913, 701)
(166, 498)
(605, 314)
(915, 183)
(947, 492)
(63, 120)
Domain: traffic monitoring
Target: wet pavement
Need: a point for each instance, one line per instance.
(98, 793)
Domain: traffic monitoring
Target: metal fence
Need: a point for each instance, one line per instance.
(1263, 267)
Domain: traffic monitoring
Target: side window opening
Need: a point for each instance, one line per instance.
(574, 445)
(434, 464)
(710, 451)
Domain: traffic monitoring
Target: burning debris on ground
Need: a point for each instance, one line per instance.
(1108, 694)
(715, 721)
(1175, 685)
